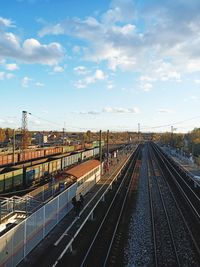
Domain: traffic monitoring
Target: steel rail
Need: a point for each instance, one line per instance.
(106, 216)
(152, 219)
(119, 218)
(192, 199)
(165, 209)
(179, 209)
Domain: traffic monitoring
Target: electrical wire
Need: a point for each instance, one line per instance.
(171, 124)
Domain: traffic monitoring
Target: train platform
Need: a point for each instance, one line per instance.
(185, 162)
(60, 239)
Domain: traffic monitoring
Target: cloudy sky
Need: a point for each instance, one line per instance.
(100, 64)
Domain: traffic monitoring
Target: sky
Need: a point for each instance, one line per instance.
(91, 65)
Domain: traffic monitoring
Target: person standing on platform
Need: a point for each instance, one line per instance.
(81, 200)
(78, 208)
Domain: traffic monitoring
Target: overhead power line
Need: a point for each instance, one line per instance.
(173, 123)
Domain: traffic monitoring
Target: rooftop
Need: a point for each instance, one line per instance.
(83, 168)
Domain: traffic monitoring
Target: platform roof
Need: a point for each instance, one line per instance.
(83, 168)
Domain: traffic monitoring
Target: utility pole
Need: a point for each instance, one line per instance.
(100, 146)
(64, 134)
(172, 129)
(24, 131)
(13, 146)
(107, 142)
(138, 132)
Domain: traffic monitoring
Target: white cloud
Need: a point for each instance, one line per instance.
(164, 111)
(106, 42)
(26, 81)
(12, 66)
(145, 78)
(12, 121)
(193, 65)
(90, 112)
(169, 34)
(99, 75)
(58, 69)
(194, 98)
(81, 70)
(110, 85)
(121, 10)
(35, 122)
(119, 110)
(9, 76)
(167, 71)
(134, 110)
(39, 84)
(2, 75)
(30, 51)
(146, 87)
(197, 81)
(6, 22)
(6, 76)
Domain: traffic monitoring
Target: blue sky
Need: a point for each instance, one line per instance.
(100, 64)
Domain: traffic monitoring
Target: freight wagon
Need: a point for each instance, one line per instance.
(32, 154)
(7, 159)
(11, 179)
(96, 143)
(87, 154)
(41, 172)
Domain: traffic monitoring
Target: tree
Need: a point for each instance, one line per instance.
(2, 135)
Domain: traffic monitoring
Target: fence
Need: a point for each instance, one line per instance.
(20, 240)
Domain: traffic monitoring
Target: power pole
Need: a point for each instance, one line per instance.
(138, 132)
(172, 129)
(100, 146)
(24, 131)
(107, 142)
(13, 146)
(64, 134)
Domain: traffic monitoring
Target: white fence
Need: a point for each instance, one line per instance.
(20, 240)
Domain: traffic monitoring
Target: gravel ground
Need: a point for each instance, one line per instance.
(139, 248)
(182, 239)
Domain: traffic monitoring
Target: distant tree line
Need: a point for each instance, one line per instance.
(189, 143)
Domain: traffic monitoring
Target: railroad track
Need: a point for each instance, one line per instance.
(183, 184)
(165, 251)
(184, 228)
(103, 249)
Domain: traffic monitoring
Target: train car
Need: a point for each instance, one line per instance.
(53, 151)
(88, 145)
(36, 173)
(41, 170)
(6, 159)
(10, 180)
(70, 160)
(96, 143)
(78, 147)
(54, 166)
(96, 151)
(68, 149)
(32, 154)
(87, 175)
(87, 154)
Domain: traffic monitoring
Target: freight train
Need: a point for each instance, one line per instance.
(9, 159)
(16, 178)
